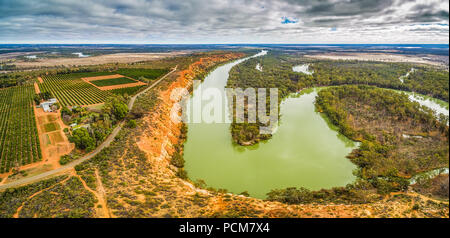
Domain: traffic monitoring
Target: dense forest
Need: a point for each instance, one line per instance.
(245, 75)
(277, 73)
(424, 79)
(397, 136)
(399, 139)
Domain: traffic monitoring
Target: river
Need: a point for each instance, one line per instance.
(304, 68)
(438, 106)
(304, 152)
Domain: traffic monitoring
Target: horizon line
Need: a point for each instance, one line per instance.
(224, 43)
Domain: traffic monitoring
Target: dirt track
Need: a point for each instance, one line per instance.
(36, 88)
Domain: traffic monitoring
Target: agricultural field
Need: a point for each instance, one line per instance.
(128, 91)
(87, 88)
(19, 141)
(19, 136)
(89, 74)
(70, 90)
(149, 74)
(54, 141)
(49, 127)
(112, 81)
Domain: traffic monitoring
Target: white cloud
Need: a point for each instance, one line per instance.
(219, 21)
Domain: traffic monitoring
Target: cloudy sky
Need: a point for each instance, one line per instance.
(224, 21)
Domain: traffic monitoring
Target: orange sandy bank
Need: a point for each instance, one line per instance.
(159, 140)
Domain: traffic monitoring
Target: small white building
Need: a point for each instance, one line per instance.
(47, 105)
(81, 126)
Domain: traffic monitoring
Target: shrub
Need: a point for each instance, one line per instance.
(132, 123)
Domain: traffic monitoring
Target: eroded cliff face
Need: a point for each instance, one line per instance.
(162, 133)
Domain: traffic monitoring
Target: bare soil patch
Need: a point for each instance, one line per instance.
(36, 88)
(12, 55)
(382, 57)
(54, 142)
(56, 137)
(102, 59)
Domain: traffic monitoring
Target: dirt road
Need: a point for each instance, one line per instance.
(72, 164)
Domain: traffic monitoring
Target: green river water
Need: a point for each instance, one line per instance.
(304, 151)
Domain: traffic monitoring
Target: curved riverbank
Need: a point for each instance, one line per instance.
(305, 151)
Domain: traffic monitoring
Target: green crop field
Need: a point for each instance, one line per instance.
(149, 74)
(110, 82)
(52, 126)
(19, 141)
(71, 90)
(128, 91)
(90, 74)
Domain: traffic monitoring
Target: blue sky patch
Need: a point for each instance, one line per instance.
(289, 20)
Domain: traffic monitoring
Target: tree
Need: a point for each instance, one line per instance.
(66, 111)
(132, 124)
(177, 160)
(245, 193)
(82, 139)
(290, 195)
(116, 106)
(37, 99)
(46, 95)
(99, 132)
(120, 110)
